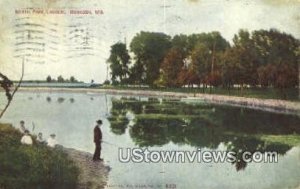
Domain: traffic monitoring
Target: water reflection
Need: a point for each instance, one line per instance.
(157, 122)
(60, 100)
(72, 100)
(48, 99)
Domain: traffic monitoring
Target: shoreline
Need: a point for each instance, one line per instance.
(271, 105)
(92, 174)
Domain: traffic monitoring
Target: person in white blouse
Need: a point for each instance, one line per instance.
(26, 139)
(51, 142)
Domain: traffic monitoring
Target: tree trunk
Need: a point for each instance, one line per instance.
(14, 92)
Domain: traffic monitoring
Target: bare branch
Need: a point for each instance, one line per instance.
(14, 92)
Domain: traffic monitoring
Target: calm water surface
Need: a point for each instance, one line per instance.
(165, 124)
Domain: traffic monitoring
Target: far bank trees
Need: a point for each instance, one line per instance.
(262, 58)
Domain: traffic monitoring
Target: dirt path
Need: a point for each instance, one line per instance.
(94, 175)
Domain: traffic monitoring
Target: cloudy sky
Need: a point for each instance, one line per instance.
(78, 45)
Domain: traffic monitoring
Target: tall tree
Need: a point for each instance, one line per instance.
(137, 73)
(60, 79)
(48, 79)
(119, 61)
(279, 51)
(170, 68)
(231, 68)
(246, 57)
(205, 56)
(149, 49)
(200, 62)
(181, 43)
(73, 79)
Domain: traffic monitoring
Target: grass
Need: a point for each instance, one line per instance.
(291, 140)
(262, 93)
(35, 166)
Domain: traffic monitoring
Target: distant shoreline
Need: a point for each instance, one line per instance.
(272, 105)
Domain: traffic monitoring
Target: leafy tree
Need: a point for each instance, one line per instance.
(213, 41)
(149, 49)
(276, 47)
(200, 62)
(286, 76)
(181, 43)
(60, 79)
(137, 73)
(246, 57)
(266, 74)
(170, 68)
(266, 57)
(49, 79)
(188, 74)
(231, 68)
(281, 51)
(119, 61)
(206, 51)
(72, 79)
(106, 82)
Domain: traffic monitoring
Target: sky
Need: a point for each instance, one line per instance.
(78, 44)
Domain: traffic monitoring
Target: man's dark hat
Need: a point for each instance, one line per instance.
(99, 121)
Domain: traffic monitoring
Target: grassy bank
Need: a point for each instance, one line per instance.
(35, 166)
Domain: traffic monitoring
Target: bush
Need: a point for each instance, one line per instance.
(34, 166)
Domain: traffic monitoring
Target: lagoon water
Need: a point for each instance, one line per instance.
(165, 125)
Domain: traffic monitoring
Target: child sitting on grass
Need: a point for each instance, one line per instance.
(26, 139)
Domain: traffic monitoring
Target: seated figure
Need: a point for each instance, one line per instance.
(26, 139)
(51, 142)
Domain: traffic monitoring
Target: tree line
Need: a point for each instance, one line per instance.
(60, 79)
(262, 58)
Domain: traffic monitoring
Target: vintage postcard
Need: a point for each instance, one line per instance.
(139, 94)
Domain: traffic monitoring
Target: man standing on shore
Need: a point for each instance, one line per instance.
(97, 141)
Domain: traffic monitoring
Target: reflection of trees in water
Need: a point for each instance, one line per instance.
(258, 122)
(72, 100)
(48, 99)
(149, 133)
(118, 124)
(250, 144)
(201, 125)
(118, 120)
(60, 100)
